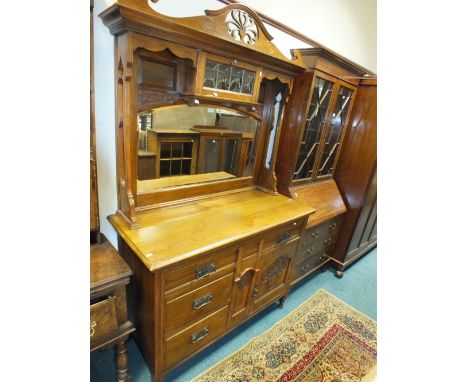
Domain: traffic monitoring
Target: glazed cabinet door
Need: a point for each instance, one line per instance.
(331, 145)
(317, 116)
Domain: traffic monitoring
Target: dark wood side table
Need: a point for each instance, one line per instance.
(109, 324)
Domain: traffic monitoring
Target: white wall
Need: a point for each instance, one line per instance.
(348, 27)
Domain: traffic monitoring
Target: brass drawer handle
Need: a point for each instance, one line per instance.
(205, 270)
(202, 301)
(92, 326)
(327, 241)
(283, 238)
(332, 225)
(194, 338)
(304, 268)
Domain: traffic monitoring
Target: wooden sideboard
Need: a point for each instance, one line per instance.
(203, 267)
(209, 239)
(109, 275)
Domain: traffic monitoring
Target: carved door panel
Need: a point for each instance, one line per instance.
(270, 282)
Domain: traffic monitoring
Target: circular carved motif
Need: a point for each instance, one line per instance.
(241, 26)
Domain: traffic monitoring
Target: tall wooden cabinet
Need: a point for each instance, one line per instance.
(317, 117)
(356, 177)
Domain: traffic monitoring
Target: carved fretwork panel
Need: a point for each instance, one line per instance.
(236, 24)
(271, 275)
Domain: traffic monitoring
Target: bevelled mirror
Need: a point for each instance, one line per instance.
(183, 145)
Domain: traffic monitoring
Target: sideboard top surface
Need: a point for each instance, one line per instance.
(170, 234)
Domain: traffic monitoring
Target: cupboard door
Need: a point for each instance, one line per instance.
(315, 122)
(242, 290)
(365, 233)
(334, 137)
(271, 279)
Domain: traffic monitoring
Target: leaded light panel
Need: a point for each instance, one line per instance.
(228, 78)
(315, 123)
(335, 132)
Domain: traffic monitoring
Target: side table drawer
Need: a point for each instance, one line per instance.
(103, 318)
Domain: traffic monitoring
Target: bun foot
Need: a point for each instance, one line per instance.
(339, 274)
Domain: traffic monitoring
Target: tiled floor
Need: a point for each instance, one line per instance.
(358, 288)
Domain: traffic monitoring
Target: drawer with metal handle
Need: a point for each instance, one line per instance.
(308, 265)
(185, 342)
(202, 270)
(195, 304)
(322, 231)
(282, 236)
(103, 320)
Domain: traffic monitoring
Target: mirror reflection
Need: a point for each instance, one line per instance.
(181, 144)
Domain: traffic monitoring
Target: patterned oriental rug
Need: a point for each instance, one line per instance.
(323, 340)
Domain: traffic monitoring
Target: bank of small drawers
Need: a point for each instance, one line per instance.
(196, 303)
(315, 248)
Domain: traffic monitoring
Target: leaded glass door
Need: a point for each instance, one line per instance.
(334, 137)
(315, 124)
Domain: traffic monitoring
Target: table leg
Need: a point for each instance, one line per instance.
(121, 362)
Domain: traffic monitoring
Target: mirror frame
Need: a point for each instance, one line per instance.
(173, 194)
(135, 26)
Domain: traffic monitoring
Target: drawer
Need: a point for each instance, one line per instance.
(322, 232)
(306, 266)
(320, 246)
(201, 271)
(282, 236)
(200, 334)
(196, 304)
(103, 318)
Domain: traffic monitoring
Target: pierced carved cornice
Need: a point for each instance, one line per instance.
(234, 30)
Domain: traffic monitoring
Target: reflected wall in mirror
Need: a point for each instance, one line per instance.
(180, 145)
